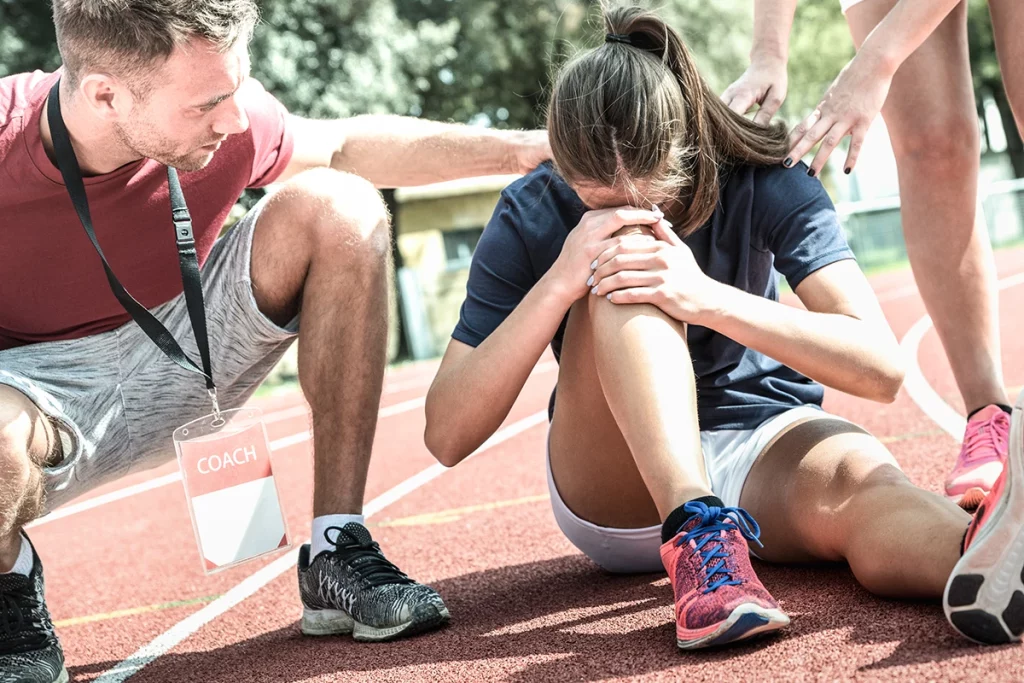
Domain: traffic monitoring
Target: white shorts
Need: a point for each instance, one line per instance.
(728, 454)
(847, 4)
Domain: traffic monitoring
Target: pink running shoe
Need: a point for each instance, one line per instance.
(984, 597)
(981, 459)
(718, 597)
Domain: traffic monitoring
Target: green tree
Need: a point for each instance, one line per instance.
(988, 81)
(325, 58)
(497, 70)
(820, 46)
(500, 66)
(27, 40)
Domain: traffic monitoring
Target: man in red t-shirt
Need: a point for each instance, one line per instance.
(86, 397)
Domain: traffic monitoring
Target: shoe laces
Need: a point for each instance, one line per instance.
(363, 555)
(708, 538)
(986, 439)
(18, 631)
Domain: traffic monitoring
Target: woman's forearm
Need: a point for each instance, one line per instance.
(469, 399)
(837, 350)
(773, 21)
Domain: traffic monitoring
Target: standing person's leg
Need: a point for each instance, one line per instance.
(1008, 27)
(628, 481)
(321, 251)
(932, 121)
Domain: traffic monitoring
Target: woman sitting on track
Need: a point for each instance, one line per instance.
(688, 398)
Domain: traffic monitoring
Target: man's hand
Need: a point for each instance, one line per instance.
(531, 149)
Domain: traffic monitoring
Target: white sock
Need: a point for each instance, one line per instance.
(23, 565)
(320, 524)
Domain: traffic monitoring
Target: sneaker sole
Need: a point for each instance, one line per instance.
(745, 622)
(326, 622)
(984, 597)
(63, 677)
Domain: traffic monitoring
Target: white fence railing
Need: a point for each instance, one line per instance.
(875, 232)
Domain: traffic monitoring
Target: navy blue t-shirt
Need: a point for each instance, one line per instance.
(769, 220)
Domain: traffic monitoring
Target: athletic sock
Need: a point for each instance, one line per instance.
(1002, 406)
(22, 565)
(677, 518)
(318, 540)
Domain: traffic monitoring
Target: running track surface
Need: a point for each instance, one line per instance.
(125, 586)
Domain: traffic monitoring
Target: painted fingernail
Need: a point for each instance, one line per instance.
(594, 290)
(788, 162)
(847, 170)
(609, 297)
(810, 172)
(590, 282)
(593, 266)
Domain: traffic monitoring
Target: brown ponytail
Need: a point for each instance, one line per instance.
(636, 108)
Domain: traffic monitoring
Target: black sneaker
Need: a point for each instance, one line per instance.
(354, 589)
(29, 651)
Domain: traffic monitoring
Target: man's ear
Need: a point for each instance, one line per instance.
(106, 96)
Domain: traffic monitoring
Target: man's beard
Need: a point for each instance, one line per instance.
(161, 150)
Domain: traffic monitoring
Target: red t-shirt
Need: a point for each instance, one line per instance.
(52, 284)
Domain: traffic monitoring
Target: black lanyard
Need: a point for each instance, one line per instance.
(67, 162)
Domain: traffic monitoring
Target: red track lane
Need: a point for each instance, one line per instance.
(526, 606)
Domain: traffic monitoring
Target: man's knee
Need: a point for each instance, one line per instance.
(340, 209)
(25, 438)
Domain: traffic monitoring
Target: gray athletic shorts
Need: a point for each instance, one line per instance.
(115, 398)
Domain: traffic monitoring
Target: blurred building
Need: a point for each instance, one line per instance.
(438, 227)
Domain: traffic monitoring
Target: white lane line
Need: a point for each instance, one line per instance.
(185, 628)
(395, 387)
(286, 414)
(126, 492)
(402, 407)
(897, 293)
(911, 289)
(284, 442)
(922, 393)
(135, 489)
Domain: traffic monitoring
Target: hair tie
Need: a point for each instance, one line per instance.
(618, 38)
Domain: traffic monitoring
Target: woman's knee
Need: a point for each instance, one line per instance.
(600, 308)
(884, 487)
(832, 487)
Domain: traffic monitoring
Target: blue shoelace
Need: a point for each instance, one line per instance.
(708, 541)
